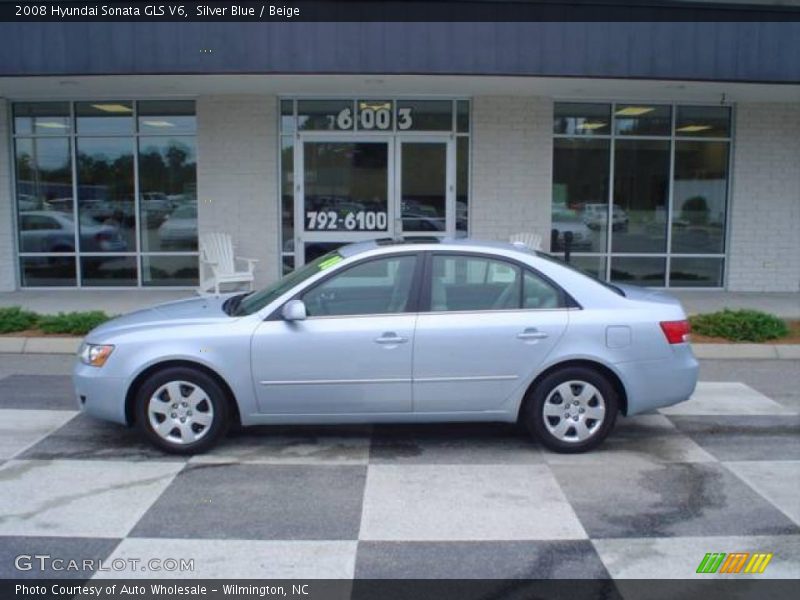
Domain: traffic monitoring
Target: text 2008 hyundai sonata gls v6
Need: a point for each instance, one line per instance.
(385, 332)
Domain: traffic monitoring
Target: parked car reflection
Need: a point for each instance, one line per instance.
(44, 231)
(179, 229)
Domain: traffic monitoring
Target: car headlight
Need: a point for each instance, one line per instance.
(95, 355)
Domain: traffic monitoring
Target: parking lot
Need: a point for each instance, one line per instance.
(720, 473)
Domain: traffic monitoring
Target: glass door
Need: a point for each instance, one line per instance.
(424, 186)
(343, 193)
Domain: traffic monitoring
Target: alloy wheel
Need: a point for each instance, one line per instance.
(180, 412)
(574, 411)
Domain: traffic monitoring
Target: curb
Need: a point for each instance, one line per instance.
(69, 345)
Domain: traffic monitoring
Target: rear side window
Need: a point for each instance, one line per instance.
(538, 293)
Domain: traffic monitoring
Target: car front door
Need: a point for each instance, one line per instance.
(485, 324)
(352, 353)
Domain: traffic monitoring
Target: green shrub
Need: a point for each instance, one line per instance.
(76, 323)
(740, 325)
(13, 318)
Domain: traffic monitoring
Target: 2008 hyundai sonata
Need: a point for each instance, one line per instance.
(396, 332)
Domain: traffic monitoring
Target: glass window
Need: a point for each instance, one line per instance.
(699, 197)
(594, 266)
(163, 270)
(108, 271)
(574, 118)
(325, 115)
(104, 118)
(47, 271)
(105, 194)
(580, 194)
(42, 118)
(424, 187)
(167, 193)
(474, 283)
(644, 271)
(424, 115)
(703, 121)
(167, 117)
(538, 293)
(696, 272)
(287, 116)
(462, 186)
(641, 188)
(44, 195)
(462, 116)
(381, 286)
(642, 119)
(287, 193)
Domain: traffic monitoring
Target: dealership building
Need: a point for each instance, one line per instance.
(664, 154)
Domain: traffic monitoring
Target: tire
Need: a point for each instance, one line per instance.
(566, 427)
(201, 402)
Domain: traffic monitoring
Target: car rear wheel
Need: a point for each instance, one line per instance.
(182, 410)
(571, 410)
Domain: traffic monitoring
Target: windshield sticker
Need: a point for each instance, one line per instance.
(329, 262)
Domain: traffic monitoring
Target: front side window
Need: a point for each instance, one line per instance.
(470, 283)
(381, 286)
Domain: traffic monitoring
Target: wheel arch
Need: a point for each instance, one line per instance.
(130, 394)
(606, 371)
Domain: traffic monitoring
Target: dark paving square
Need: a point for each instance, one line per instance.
(51, 392)
(259, 502)
(571, 559)
(453, 443)
(752, 437)
(86, 438)
(680, 499)
(66, 548)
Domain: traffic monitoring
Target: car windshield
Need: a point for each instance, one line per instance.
(257, 300)
(610, 286)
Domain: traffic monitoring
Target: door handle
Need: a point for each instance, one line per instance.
(390, 338)
(531, 333)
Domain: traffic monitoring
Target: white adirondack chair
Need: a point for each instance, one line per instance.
(531, 240)
(218, 263)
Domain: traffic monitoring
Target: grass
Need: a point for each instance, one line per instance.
(14, 319)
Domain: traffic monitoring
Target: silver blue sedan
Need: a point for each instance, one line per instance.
(395, 332)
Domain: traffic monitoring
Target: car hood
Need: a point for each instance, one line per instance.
(181, 312)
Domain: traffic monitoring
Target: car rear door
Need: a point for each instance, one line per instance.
(485, 324)
(352, 354)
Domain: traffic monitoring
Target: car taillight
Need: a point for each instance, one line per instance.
(103, 237)
(676, 332)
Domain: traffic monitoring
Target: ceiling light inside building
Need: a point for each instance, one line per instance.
(158, 123)
(693, 128)
(113, 108)
(634, 111)
(591, 125)
(51, 124)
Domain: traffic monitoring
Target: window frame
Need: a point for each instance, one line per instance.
(565, 300)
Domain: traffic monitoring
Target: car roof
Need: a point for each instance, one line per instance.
(461, 244)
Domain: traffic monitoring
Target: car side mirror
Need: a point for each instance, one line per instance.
(294, 310)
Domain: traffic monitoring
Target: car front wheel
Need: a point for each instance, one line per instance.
(571, 410)
(182, 410)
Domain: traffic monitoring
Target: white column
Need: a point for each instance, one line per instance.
(764, 244)
(237, 175)
(512, 166)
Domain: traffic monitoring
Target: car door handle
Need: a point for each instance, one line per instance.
(531, 333)
(390, 338)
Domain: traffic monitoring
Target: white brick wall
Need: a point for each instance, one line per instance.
(765, 206)
(7, 253)
(236, 175)
(512, 163)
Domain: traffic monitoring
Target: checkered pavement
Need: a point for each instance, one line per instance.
(719, 473)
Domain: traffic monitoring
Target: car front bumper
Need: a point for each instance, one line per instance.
(654, 384)
(98, 395)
